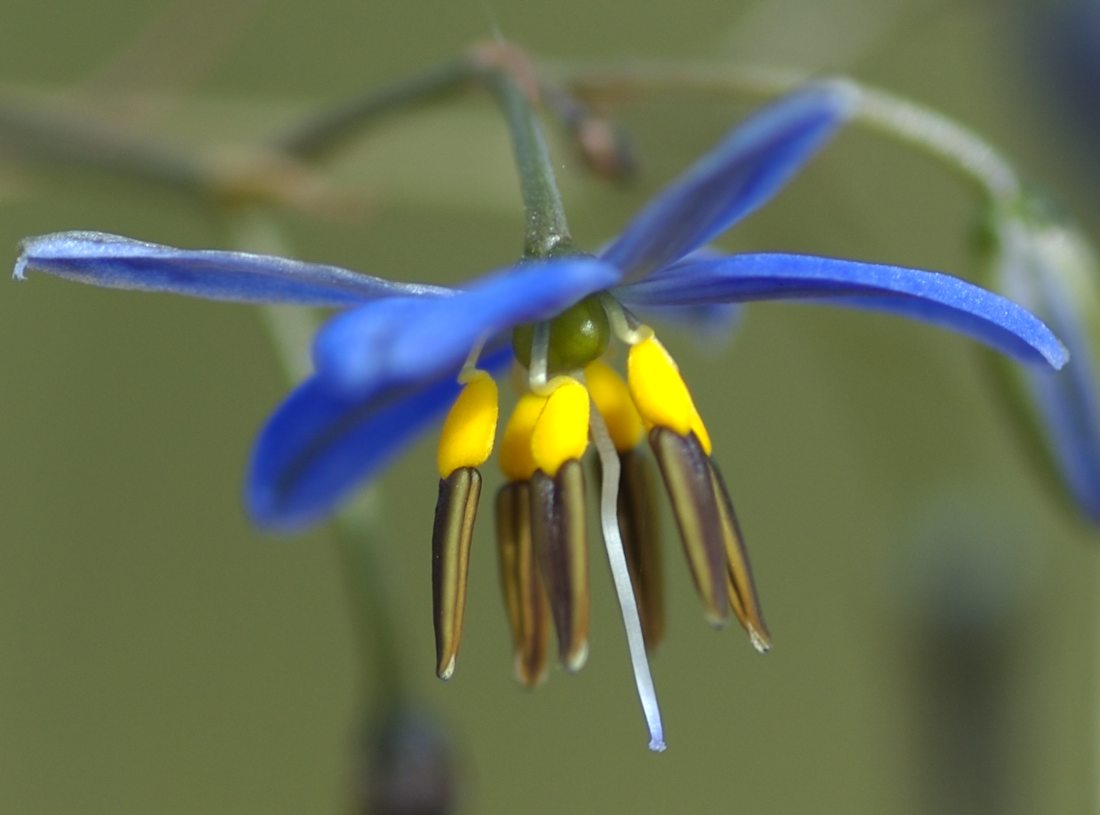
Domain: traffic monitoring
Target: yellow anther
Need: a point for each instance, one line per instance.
(659, 391)
(468, 432)
(516, 459)
(612, 398)
(561, 430)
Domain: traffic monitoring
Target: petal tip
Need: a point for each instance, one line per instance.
(1058, 357)
(271, 515)
(844, 95)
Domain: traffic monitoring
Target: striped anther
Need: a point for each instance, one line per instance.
(639, 528)
(454, 525)
(739, 583)
(524, 597)
(559, 529)
(685, 469)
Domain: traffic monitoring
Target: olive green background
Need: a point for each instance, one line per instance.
(923, 589)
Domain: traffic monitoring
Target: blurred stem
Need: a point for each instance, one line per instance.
(56, 137)
(604, 147)
(291, 330)
(936, 134)
(509, 75)
(323, 134)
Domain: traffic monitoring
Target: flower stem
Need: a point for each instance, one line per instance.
(547, 233)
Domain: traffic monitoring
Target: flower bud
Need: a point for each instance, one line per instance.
(1048, 266)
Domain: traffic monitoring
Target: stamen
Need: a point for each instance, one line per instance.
(628, 330)
(454, 526)
(639, 528)
(559, 534)
(686, 473)
(620, 574)
(740, 584)
(524, 596)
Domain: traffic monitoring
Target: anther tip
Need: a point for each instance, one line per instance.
(528, 676)
(576, 659)
(716, 618)
(761, 642)
(447, 670)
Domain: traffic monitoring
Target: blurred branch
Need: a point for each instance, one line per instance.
(604, 147)
(962, 149)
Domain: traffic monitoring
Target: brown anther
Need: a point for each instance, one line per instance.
(559, 530)
(454, 525)
(739, 583)
(640, 530)
(685, 468)
(524, 596)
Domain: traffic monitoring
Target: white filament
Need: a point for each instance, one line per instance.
(469, 367)
(622, 324)
(609, 520)
(540, 353)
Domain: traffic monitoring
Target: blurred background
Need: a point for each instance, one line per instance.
(932, 603)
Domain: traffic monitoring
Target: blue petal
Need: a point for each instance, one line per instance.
(121, 263)
(318, 445)
(732, 181)
(403, 339)
(929, 296)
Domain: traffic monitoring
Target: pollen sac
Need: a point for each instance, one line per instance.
(560, 433)
(613, 400)
(455, 511)
(578, 335)
(524, 596)
(687, 475)
(640, 531)
(660, 394)
(516, 458)
(469, 430)
(741, 588)
(559, 531)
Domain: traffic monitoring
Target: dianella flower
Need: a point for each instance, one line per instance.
(1044, 262)
(401, 355)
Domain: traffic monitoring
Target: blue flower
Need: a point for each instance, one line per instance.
(400, 355)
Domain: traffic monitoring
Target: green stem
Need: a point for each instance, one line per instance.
(547, 232)
(962, 149)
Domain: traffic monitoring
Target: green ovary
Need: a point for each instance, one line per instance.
(578, 336)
